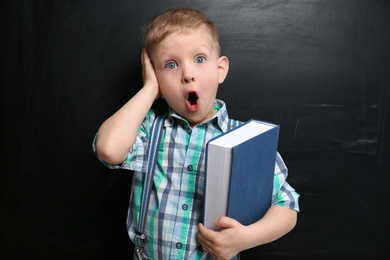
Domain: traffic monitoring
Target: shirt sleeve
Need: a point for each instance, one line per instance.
(283, 194)
(137, 157)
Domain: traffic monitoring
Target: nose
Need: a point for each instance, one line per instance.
(188, 75)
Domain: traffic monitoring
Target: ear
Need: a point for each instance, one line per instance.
(223, 68)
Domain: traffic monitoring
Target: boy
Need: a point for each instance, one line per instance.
(181, 63)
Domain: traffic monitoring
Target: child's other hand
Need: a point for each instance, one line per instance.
(148, 73)
(227, 242)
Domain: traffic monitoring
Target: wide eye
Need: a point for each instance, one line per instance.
(171, 65)
(200, 59)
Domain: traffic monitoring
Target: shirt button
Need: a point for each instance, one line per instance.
(179, 245)
(189, 131)
(190, 167)
(184, 206)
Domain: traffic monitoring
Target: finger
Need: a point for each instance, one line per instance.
(147, 67)
(207, 245)
(225, 222)
(201, 233)
(143, 56)
(205, 237)
(146, 56)
(207, 233)
(204, 242)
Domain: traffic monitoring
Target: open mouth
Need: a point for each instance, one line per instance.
(192, 98)
(192, 101)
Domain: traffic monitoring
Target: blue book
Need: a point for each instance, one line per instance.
(239, 173)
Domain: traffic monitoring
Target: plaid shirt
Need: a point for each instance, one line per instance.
(176, 203)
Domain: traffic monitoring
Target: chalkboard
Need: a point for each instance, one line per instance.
(320, 69)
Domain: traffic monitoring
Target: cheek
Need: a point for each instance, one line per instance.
(211, 72)
(168, 91)
(211, 80)
(163, 90)
(165, 77)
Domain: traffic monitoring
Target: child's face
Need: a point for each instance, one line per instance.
(189, 71)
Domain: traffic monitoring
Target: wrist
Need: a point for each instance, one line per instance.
(247, 235)
(152, 90)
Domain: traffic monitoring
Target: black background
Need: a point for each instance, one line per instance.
(321, 69)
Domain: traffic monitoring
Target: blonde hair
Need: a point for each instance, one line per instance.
(178, 20)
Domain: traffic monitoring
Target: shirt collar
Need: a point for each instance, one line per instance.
(221, 117)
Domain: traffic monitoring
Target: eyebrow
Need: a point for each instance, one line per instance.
(203, 49)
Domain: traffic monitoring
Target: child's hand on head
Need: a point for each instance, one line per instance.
(148, 73)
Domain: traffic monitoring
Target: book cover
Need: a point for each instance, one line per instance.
(239, 173)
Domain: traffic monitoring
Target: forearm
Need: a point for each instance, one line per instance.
(234, 237)
(277, 222)
(118, 133)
